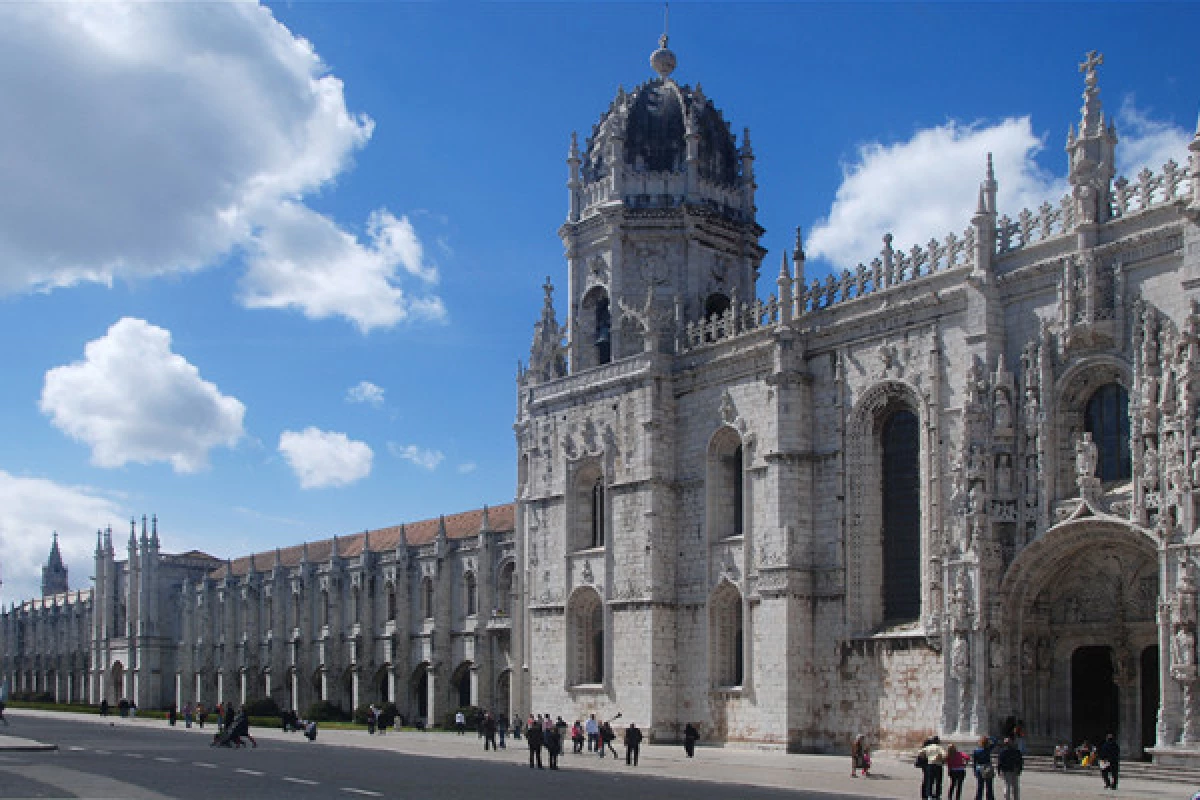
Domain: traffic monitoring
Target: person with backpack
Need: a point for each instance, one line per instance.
(607, 737)
(985, 773)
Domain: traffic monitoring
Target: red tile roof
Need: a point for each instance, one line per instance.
(458, 526)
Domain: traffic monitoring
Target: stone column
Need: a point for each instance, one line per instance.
(431, 695)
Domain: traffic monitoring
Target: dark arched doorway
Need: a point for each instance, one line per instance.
(1150, 696)
(1106, 418)
(1094, 695)
(420, 692)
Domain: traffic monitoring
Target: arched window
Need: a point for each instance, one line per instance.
(1107, 419)
(391, 602)
(295, 609)
(901, 491)
(726, 486)
(598, 513)
(504, 589)
(324, 608)
(587, 508)
(726, 637)
(603, 341)
(471, 596)
(427, 598)
(586, 638)
(715, 304)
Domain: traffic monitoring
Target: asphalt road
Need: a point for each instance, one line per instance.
(146, 763)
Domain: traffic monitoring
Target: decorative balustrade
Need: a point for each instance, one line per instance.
(1149, 191)
(892, 268)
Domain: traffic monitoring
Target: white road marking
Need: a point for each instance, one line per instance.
(304, 781)
(103, 753)
(249, 771)
(367, 792)
(77, 749)
(166, 760)
(135, 755)
(205, 765)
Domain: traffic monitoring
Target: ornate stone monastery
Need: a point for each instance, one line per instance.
(953, 486)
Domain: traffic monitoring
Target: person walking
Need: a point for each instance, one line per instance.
(633, 744)
(1109, 754)
(577, 737)
(857, 748)
(188, 715)
(201, 714)
(1009, 765)
(592, 729)
(690, 735)
(104, 706)
(606, 737)
(931, 758)
(3, 718)
(553, 740)
(502, 729)
(956, 766)
(985, 773)
(171, 715)
(533, 738)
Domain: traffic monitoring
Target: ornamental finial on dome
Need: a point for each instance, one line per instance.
(662, 60)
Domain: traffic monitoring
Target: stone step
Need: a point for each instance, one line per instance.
(1129, 769)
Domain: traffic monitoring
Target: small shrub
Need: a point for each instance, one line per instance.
(262, 707)
(387, 715)
(325, 711)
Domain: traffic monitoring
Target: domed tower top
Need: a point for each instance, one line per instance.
(662, 145)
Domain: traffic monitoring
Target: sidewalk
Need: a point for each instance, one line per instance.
(891, 776)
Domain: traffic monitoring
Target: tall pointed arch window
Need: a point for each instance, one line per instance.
(588, 507)
(1106, 417)
(391, 602)
(603, 342)
(427, 598)
(471, 595)
(504, 589)
(901, 493)
(726, 490)
(597, 502)
(727, 637)
(585, 638)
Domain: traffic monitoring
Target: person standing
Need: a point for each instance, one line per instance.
(187, 715)
(932, 769)
(857, 749)
(502, 729)
(460, 722)
(489, 732)
(104, 706)
(690, 735)
(985, 774)
(577, 737)
(956, 766)
(1009, 765)
(171, 715)
(592, 729)
(1109, 754)
(201, 714)
(633, 744)
(553, 739)
(533, 738)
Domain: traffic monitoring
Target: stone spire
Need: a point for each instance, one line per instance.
(154, 543)
(1092, 152)
(547, 355)
(798, 277)
(784, 282)
(1194, 163)
(442, 537)
(485, 523)
(54, 574)
(278, 559)
(984, 224)
(574, 180)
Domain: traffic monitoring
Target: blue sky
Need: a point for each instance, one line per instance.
(266, 272)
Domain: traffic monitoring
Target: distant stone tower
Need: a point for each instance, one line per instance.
(54, 574)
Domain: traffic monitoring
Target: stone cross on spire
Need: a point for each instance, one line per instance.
(1092, 119)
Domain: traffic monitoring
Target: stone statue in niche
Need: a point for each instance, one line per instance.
(1002, 415)
(1045, 653)
(1150, 401)
(976, 464)
(1196, 469)
(1183, 646)
(1086, 456)
(1031, 412)
(1003, 473)
(1150, 466)
(960, 657)
(1027, 655)
(996, 652)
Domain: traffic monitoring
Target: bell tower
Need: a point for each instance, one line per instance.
(54, 574)
(661, 224)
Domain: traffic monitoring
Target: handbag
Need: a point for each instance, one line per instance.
(988, 772)
(922, 760)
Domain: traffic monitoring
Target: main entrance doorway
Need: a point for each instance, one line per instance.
(1094, 695)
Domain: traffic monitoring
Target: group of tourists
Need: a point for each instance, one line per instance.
(545, 731)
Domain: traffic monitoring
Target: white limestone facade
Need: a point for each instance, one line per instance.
(925, 495)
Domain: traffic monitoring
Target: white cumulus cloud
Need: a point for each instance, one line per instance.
(131, 399)
(421, 456)
(151, 138)
(928, 186)
(31, 511)
(365, 392)
(467, 468)
(324, 459)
